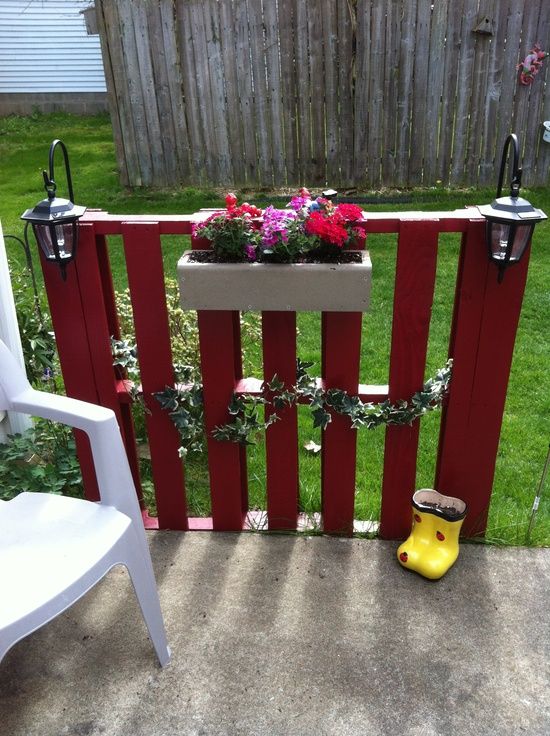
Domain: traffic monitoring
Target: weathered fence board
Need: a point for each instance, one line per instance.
(341, 92)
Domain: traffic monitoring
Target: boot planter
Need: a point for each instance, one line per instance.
(432, 547)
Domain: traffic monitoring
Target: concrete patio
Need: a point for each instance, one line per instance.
(294, 635)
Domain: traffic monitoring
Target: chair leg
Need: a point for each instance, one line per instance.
(145, 587)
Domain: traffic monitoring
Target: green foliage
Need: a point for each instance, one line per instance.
(37, 338)
(321, 404)
(42, 460)
(185, 407)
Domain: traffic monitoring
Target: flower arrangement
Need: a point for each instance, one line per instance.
(308, 230)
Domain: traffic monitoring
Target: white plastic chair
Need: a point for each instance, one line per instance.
(54, 549)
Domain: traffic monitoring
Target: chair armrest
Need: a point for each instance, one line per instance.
(115, 482)
(75, 413)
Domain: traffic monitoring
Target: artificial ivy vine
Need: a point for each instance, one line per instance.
(185, 406)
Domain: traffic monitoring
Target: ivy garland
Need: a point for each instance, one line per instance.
(185, 406)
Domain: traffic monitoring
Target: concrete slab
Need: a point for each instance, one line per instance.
(290, 636)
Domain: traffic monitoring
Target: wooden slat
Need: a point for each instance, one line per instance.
(135, 91)
(404, 93)
(302, 65)
(174, 80)
(523, 92)
(497, 73)
(197, 134)
(289, 78)
(341, 349)
(391, 77)
(257, 54)
(435, 90)
(225, 459)
(245, 90)
(332, 152)
(509, 83)
(532, 130)
(419, 103)
(464, 90)
(198, 30)
(216, 91)
(274, 90)
(143, 253)
(279, 357)
(111, 81)
(108, 21)
(448, 101)
(414, 289)
(109, 304)
(483, 334)
(67, 315)
(317, 173)
(235, 121)
(377, 74)
(158, 72)
(346, 21)
(361, 101)
(484, 51)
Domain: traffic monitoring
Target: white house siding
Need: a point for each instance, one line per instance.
(44, 48)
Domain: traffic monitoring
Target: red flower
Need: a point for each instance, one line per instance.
(245, 209)
(350, 212)
(230, 200)
(326, 228)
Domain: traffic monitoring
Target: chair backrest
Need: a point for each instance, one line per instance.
(13, 380)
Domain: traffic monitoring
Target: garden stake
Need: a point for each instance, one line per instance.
(537, 497)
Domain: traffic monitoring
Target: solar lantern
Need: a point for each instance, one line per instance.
(510, 221)
(55, 220)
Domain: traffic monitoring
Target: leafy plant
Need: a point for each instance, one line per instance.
(43, 459)
(322, 403)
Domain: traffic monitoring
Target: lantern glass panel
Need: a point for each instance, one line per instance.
(500, 236)
(56, 241)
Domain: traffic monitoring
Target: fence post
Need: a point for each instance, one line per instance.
(483, 334)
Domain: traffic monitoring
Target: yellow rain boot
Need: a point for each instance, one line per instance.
(432, 547)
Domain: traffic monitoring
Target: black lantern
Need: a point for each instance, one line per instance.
(55, 220)
(510, 220)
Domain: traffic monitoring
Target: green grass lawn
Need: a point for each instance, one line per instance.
(24, 145)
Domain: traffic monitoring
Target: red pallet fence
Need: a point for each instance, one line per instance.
(484, 324)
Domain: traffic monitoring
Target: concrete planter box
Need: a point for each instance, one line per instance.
(296, 287)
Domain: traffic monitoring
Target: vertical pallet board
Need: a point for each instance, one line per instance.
(341, 352)
(67, 315)
(482, 342)
(220, 364)
(143, 253)
(98, 307)
(279, 357)
(126, 421)
(414, 290)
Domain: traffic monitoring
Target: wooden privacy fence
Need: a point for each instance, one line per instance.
(374, 93)
(483, 329)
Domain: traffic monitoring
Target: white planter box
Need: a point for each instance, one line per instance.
(296, 287)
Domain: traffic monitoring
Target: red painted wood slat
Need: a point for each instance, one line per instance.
(74, 354)
(279, 357)
(143, 252)
(226, 461)
(98, 304)
(483, 336)
(414, 289)
(341, 348)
